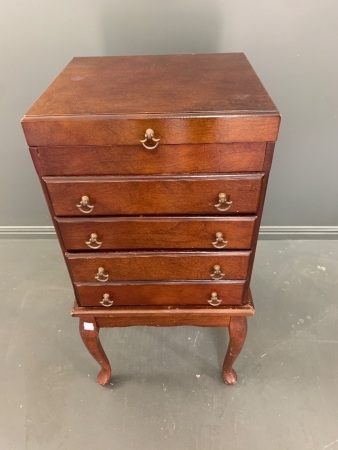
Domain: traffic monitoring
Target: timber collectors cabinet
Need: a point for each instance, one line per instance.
(155, 169)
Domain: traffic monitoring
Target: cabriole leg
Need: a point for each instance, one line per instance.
(89, 332)
(237, 334)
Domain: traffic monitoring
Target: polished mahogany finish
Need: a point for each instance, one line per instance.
(155, 170)
(126, 196)
(166, 159)
(176, 293)
(165, 316)
(190, 85)
(158, 232)
(186, 99)
(152, 266)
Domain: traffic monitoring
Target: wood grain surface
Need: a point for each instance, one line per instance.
(212, 98)
(166, 159)
(157, 233)
(155, 195)
(160, 293)
(156, 84)
(124, 266)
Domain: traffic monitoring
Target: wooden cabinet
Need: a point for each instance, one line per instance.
(155, 170)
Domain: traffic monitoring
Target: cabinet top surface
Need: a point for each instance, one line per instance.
(163, 85)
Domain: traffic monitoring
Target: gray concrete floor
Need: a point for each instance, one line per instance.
(166, 392)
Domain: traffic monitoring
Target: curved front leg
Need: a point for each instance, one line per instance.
(89, 332)
(237, 334)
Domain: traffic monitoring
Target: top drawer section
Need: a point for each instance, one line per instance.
(165, 159)
(106, 130)
(185, 99)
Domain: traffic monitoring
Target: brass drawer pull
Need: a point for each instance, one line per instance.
(84, 203)
(149, 136)
(214, 301)
(223, 203)
(217, 275)
(101, 276)
(106, 301)
(93, 242)
(220, 242)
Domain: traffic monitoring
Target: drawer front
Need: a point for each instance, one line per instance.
(162, 233)
(161, 293)
(106, 196)
(165, 159)
(105, 130)
(142, 266)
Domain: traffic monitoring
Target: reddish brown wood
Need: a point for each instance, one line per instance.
(270, 146)
(166, 159)
(127, 313)
(89, 332)
(157, 233)
(162, 319)
(237, 334)
(133, 266)
(37, 165)
(160, 293)
(156, 84)
(216, 127)
(155, 195)
(102, 130)
(267, 164)
(165, 315)
(166, 93)
(106, 130)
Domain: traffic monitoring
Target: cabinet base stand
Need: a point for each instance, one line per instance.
(89, 332)
(234, 318)
(237, 335)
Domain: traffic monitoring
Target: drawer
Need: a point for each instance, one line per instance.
(160, 293)
(121, 233)
(166, 159)
(185, 99)
(142, 266)
(106, 196)
(106, 130)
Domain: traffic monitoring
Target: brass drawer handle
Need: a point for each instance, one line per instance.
(217, 275)
(101, 276)
(214, 301)
(93, 242)
(149, 136)
(220, 242)
(223, 203)
(106, 301)
(84, 203)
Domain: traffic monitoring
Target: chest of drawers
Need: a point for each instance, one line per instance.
(155, 169)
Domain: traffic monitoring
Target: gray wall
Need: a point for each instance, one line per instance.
(292, 44)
